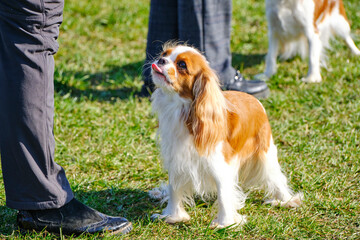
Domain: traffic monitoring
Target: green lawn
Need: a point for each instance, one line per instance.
(106, 135)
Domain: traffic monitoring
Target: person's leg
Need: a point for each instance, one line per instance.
(162, 28)
(206, 24)
(34, 183)
(202, 24)
(28, 41)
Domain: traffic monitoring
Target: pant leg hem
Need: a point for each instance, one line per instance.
(56, 203)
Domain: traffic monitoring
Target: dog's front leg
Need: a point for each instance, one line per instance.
(230, 196)
(315, 48)
(227, 215)
(174, 211)
(272, 54)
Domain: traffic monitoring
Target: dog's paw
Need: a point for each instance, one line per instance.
(171, 219)
(160, 193)
(294, 202)
(312, 79)
(270, 70)
(237, 220)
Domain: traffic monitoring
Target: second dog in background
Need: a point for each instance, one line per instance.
(305, 27)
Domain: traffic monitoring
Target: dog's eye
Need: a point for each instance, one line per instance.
(181, 64)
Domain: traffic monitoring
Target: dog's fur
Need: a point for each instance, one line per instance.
(305, 27)
(212, 142)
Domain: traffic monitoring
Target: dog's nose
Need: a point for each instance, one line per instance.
(162, 61)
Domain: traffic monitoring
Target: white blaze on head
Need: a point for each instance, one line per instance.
(181, 49)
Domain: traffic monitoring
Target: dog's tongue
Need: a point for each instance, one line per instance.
(156, 68)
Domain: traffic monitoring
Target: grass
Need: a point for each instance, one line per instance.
(105, 134)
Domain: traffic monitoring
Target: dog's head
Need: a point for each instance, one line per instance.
(183, 70)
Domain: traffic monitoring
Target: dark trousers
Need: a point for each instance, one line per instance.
(28, 33)
(204, 24)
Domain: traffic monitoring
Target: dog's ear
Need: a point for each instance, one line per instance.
(208, 112)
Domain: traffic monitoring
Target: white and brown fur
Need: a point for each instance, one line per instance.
(305, 27)
(212, 142)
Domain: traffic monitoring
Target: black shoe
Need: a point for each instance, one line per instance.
(257, 88)
(72, 218)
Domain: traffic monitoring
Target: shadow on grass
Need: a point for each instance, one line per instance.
(241, 61)
(7, 221)
(101, 86)
(134, 204)
(116, 83)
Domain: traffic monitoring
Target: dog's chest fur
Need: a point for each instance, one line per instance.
(180, 157)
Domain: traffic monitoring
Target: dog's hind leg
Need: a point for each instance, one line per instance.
(315, 49)
(272, 54)
(230, 196)
(275, 181)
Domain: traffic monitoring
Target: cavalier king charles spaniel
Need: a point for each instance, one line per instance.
(213, 142)
(305, 27)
